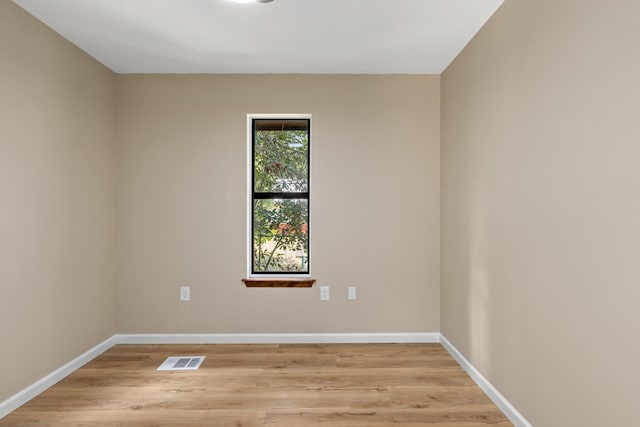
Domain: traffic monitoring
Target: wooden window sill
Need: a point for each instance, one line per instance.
(269, 282)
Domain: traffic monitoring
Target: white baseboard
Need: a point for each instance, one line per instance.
(22, 397)
(25, 395)
(500, 401)
(428, 337)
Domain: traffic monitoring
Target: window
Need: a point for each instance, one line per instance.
(279, 181)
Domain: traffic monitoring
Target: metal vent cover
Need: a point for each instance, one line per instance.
(181, 363)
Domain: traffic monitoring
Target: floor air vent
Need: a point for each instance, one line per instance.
(181, 363)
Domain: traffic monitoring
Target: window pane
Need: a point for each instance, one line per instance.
(280, 236)
(281, 150)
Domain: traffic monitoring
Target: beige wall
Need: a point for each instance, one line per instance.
(541, 208)
(57, 190)
(182, 203)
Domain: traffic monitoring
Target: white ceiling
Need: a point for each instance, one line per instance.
(285, 36)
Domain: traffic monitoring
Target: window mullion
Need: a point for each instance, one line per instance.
(288, 196)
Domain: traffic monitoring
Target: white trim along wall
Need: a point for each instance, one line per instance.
(22, 397)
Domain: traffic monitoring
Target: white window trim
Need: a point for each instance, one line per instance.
(248, 247)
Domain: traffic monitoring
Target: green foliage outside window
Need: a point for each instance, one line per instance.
(280, 225)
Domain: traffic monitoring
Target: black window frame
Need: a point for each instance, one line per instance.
(305, 195)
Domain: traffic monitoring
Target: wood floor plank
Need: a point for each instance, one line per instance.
(333, 385)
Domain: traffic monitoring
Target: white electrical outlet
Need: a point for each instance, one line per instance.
(351, 293)
(324, 293)
(185, 293)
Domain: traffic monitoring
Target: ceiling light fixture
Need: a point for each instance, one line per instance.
(251, 1)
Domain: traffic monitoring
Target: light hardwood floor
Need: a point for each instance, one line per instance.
(276, 385)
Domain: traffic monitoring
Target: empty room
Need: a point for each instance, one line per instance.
(319, 212)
